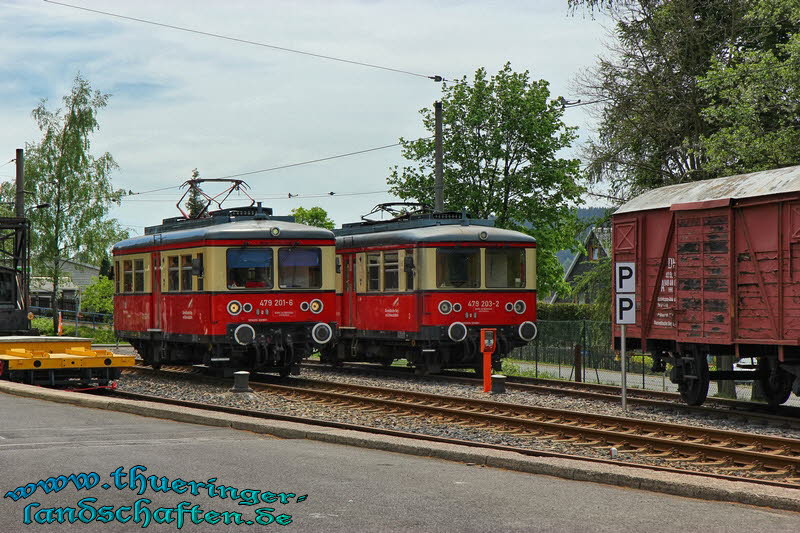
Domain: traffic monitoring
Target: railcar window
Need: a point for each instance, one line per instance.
(173, 271)
(117, 275)
(186, 272)
(138, 275)
(200, 278)
(391, 279)
(505, 268)
(250, 268)
(458, 267)
(373, 272)
(300, 268)
(127, 275)
(410, 274)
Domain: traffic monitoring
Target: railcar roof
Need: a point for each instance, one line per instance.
(433, 233)
(764, 183)
(237, 229)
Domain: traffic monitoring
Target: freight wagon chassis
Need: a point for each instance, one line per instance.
(690, 371)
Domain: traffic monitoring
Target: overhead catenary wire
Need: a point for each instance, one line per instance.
(281, 167)
(282, 196)
(435, 78)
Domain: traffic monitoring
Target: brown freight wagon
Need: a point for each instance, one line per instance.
(717, 273)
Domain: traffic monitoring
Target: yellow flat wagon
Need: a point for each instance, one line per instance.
(59, 361)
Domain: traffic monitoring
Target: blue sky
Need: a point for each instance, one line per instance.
(182, 101)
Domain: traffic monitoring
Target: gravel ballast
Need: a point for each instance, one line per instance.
(184, 388)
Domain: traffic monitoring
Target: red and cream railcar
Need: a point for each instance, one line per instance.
(717, 273)
(239, 289)
(422, 286)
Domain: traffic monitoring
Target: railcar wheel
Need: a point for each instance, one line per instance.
(775, 381)
(694, 385)
(284, 372)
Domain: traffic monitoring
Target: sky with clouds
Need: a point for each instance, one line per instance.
(181, 101)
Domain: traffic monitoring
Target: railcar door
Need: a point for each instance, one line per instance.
(349, 290)
(155, 292)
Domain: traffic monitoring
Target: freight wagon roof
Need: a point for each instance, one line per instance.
(764, 183)
(435, 233)
(237, 230)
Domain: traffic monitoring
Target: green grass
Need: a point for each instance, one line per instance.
(99, 335)
(511, 369)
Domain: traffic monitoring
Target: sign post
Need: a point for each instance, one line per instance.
(624, 313)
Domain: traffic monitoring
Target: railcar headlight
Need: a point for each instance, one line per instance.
(321, 333)
(315, 306)
(445, 307)
(234, 307)
(457, 332)
(304, 306)
(457, 308)
(519, 307)
(509, 307)
(274, 231)
(527, 331)
(247, 307)
(244, 334)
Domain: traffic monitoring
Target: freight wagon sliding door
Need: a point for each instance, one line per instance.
(764, 250)
(703, 271)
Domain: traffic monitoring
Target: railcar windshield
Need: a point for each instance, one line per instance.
(250, 268)
(300, 268)
(505, 268)
(458, 267)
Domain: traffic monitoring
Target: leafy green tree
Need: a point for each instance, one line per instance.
(61, 170)
(195, 203)
(501, 138)
(753, 89)
(651, 104)
(99, 296)
(314, 216)
(106, 269)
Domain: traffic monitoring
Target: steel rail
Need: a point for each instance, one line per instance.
(608, 393)
(725, 450)
(433, 438)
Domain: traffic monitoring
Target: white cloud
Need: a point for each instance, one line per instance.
(183, 100)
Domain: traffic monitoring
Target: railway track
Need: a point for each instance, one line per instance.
(741, 455)
(785, 416)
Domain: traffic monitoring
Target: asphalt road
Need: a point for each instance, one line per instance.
(347, 489)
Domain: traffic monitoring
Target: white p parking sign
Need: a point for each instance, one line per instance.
(625, 301)
(625, 277)
(625, 309)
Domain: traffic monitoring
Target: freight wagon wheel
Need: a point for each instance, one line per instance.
(775, 381)
(694, 385)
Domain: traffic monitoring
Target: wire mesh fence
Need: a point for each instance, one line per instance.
(564, 345)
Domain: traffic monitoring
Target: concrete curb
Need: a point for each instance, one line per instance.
(685, 485)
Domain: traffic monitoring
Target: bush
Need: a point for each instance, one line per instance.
(563, 311)
(99, 335)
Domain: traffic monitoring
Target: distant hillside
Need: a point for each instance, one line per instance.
(586, 214)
